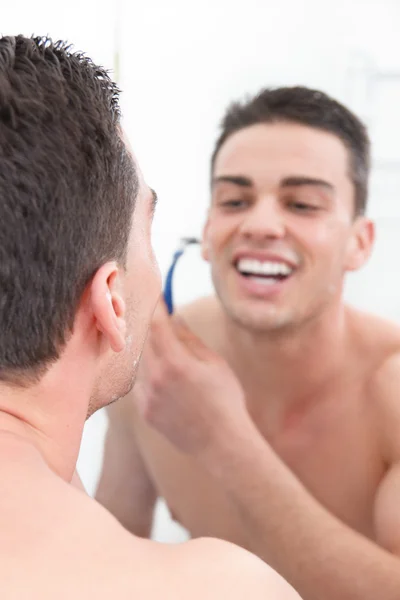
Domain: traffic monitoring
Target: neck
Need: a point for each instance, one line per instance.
(275, 363)
(49, 415)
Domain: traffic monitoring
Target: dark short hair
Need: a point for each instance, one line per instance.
(67, 191)
(311, 108)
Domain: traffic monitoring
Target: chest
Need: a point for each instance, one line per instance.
(333, 452)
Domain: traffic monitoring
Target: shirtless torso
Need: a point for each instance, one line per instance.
(57, 542)
(337, 441)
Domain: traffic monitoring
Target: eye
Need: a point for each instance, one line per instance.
(303, 207)
(234, 203)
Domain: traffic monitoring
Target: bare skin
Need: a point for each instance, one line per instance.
(99, 558)
(56, 542)
(278, 403)
(345, 454)
(338, 449)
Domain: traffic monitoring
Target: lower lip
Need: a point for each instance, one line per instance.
(258, 289)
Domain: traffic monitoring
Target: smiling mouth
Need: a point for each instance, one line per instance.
(264, 272)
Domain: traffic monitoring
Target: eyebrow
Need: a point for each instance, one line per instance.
(295, 181)
(300, 181)
(235, 179)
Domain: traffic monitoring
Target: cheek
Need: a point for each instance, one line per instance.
(324, 238)
(145, 277)
(156, 277)
(143, 253)
(219, 232)
(150, 276)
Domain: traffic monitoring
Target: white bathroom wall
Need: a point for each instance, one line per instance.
(91, 25)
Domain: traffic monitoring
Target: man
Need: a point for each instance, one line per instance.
(283, 401)
(78, 286)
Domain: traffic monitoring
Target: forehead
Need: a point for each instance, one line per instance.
(268, 152)
(144, 194)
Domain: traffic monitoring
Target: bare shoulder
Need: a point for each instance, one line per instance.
(379, 344)
(379, 336)
(203, 317)
(376, 344)
(68, 546)
(65, 543)
(384, 390)
(225, 569)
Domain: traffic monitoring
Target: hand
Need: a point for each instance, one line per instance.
(186, 391)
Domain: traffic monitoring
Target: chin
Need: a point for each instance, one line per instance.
(261, 319)
(114, 383)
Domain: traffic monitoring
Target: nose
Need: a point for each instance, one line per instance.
(265, 220)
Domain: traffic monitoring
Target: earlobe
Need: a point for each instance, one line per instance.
(204, 243)
(204, 250)
(360, 245)
(108, 306)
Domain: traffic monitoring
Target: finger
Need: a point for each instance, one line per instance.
(149, 365)
(161, 311)
(191, 341)
(140, 397)
(162, 337)
(148, 362)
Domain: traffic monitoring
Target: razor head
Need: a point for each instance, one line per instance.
(168, 295)
(186, 241)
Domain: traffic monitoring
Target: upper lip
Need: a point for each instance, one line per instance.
(263, 257)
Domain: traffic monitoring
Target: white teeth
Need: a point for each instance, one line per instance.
(265, 280)
(257, 267)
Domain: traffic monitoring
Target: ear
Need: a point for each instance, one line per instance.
(360, 244)
(108, 305)
(205, 253)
